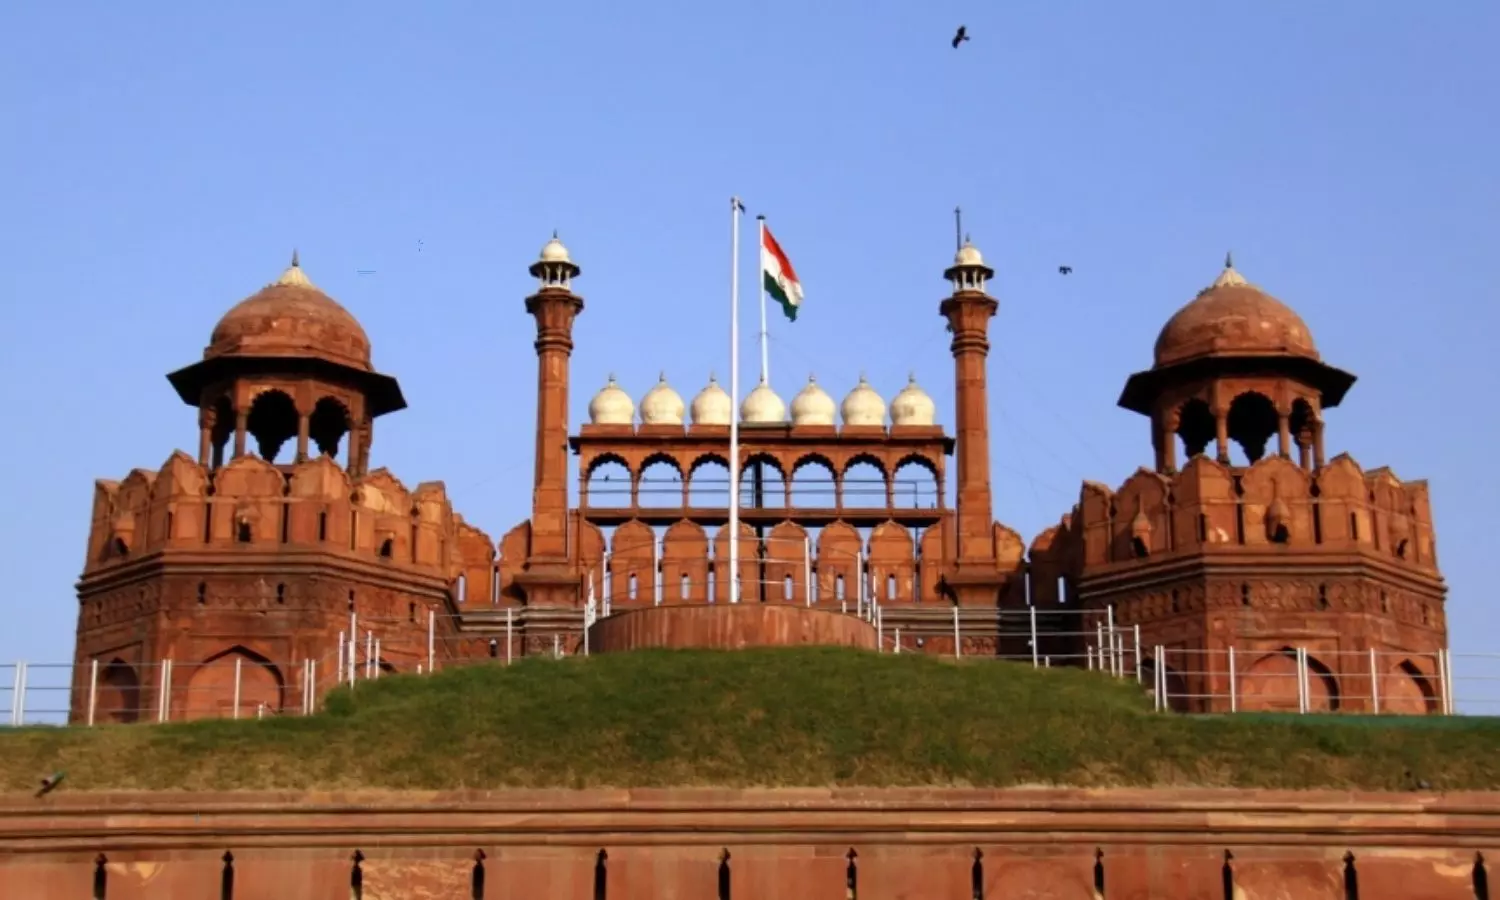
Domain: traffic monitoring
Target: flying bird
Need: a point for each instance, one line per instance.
(961, 36)
(1065, 270)
(50, 783)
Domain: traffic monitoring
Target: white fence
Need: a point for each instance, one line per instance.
(1291, 678)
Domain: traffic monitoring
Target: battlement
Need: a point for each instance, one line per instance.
(1270, 506)
(252, 508)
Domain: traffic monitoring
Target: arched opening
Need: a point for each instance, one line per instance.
(724, 879)
(272, 422)
(601, 876)
(226, 877)
(762, 484)
(387, 548)
(660, 485)
(708, 483)
(608, 483)
(210, 691)
(327, 426)
(863, 484)
(812, 483)
(1252, 423)
(1302, 425)
(1406, 691)
(476, 877)
(1175, 697)
(1272, 682)
(119, 694)
(914, 484)
(1195, 428)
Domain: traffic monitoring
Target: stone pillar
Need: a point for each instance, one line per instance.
(241, 431)
(304, 426)
(1318, 458)
(1221, 435)
(207, 418)
(1284, 434)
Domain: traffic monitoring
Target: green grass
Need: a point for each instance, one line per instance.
(787, 717)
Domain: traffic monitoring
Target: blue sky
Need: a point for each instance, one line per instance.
(161, 160)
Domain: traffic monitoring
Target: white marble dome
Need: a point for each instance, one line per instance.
(763, 407)
(554, 251)
(863, 406)
(662, 405)
(713, 405)
(611, 406)
(813, 406)
(968, 255)
(912, 406)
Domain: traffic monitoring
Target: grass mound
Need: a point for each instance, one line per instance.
(772, 717)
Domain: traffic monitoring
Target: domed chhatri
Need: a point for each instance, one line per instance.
(662, 405)
(913, 407)
(554, 251)
(863, 406)
(763, 407)
(291, 317)
(611, 406)
(813, 406)
(968, 255)
(713, 405)
(1232, 317)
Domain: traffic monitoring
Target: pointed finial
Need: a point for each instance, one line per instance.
(1229, 259)
(554, 234)
(911, 377)
(295, 264)
(968, 240)
(611, 378)
(713, 377)
(862, 378)
(662, 377)
(811, 378)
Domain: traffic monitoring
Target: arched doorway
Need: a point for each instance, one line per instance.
(1270, 684)
(210, 689)
(119, 694)
(1405, 691)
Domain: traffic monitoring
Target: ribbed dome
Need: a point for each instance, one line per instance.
(812, 405)
(290, 317)
(611, 406)
(763, 407)
(863, 406)
(713, 405)
(912, 406)
(1232, 317)
(662, 405)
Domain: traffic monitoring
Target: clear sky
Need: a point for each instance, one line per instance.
(161, 160)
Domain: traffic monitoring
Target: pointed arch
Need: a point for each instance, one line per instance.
(210, 689)
(813, 478)
(273, 421)
(119, 694)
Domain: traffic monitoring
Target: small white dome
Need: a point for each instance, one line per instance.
(912, 406)
(812, 405)
(554, 251)
(611, 406)
(662, 405)
(763, 407)
(968, 255)
(863, 406)
(713, 405)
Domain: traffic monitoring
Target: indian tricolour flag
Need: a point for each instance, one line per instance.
(778, 276)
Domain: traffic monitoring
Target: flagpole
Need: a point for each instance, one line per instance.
(765, 352)
(735, 208)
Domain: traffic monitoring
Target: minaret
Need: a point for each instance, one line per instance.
(554, 305)
(968, 311)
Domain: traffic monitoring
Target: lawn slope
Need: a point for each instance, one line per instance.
(780, 717)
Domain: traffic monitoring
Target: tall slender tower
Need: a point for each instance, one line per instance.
(976, 580)
(549, 579)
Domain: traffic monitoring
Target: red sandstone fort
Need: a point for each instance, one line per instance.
(1294, 580)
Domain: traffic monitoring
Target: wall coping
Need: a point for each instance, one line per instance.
(132, 821)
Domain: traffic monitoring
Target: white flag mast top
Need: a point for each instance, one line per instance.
(765, 350)
(736, 208)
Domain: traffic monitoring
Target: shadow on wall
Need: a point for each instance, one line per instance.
(1310, 879)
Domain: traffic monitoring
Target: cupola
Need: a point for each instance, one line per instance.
(611, 406)
(863, 406)
(763, 407)
(713, 405)
(662, 405)
(812, 405)
(913, 406)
